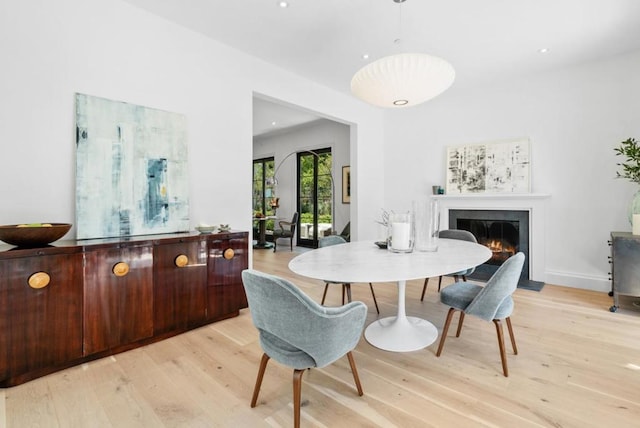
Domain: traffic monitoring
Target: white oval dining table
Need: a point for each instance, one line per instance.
(363, 261)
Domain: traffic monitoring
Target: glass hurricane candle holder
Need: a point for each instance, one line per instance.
(400, 232)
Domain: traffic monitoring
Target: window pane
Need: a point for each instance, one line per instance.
(315, 191)
(263, 189)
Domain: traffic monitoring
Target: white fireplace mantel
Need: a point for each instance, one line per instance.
(491, 196)
(535, 203)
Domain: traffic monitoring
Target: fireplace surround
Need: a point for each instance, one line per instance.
(533, 203)
(504, 232)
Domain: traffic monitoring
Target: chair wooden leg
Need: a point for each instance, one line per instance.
(343, 292)
(297, 394)
(356, 378)
(460, 321)
(445, 330)
(503, 354)
(256, 389)
(439, 283)
(424, 288)
(375, 302)
(324, 295)
(513, 338)
(347, 286)
(291, 243)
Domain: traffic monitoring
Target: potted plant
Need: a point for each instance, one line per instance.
(631, 171)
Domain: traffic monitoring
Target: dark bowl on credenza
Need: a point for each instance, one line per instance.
(33, 236)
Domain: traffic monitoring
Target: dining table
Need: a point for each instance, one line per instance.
(364, 261)
(261, 242)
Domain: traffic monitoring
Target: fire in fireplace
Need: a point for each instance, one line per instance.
(504, 232)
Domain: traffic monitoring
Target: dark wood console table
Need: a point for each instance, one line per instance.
(76, 301)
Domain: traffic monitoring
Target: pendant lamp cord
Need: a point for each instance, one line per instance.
(398, 41)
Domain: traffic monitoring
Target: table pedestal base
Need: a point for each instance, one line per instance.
(262, 245)
(403, 334)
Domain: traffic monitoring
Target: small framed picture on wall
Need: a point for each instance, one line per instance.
(346, 184)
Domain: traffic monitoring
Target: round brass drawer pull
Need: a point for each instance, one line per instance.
(181, 260)
(228, 254)
(120, 269)
(39, 280)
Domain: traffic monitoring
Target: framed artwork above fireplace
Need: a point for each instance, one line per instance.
(496, 167)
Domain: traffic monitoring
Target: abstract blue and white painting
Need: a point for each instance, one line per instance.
(131, 169)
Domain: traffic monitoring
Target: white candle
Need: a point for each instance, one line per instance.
(401, 236)
(635, 224)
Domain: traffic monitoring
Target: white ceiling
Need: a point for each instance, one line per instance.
(270, 118)
(485, 40)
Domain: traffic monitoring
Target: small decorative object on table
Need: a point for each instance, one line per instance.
(33, 234)
(205, 228)
(383, 232)
(224, 228)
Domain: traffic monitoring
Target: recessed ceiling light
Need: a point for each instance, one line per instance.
(543, 50)
(365, 56)
(273, 123)
(283, 4)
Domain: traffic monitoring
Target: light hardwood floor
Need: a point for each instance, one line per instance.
(578, 366)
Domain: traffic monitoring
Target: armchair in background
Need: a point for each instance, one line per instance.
(287, 230)
(346, 287)
(346, 232)
(462, 235)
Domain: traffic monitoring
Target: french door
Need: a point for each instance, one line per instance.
(263, 189)
(315, 196)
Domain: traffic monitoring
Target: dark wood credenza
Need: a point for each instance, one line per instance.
(76, 301)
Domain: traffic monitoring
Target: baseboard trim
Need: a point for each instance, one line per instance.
(573, 280)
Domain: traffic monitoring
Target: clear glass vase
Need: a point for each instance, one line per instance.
(427, 224)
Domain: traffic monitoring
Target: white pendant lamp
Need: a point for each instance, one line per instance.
(402, 80)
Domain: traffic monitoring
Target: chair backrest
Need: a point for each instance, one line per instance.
(294, 222)
(346, 232)
(288, 321)
(462, 235)
(499, 288)
(327, 241)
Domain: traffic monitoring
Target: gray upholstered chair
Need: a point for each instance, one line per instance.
(287, 230)
(462, 235)
(346, 287)
(298, 332)
(346, 232)
(492, 302)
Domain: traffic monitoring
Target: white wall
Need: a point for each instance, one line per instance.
(108, 48)
(574, 118)
(316, 135)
